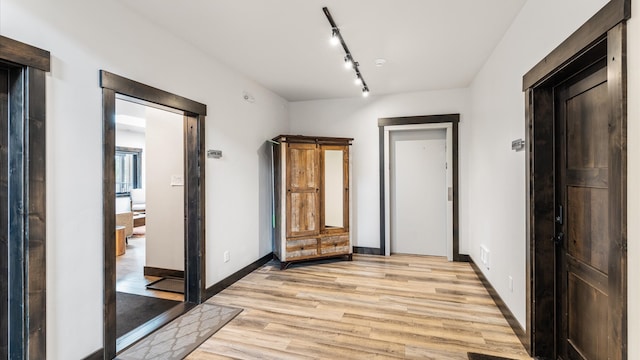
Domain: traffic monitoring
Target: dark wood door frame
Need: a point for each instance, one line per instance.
(23, 187)
(453, 119)
(604, 35)
(194, 152)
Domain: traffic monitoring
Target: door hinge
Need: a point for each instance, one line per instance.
(623, 247)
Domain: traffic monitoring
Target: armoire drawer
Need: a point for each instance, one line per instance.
(336, 244)
(301, 248)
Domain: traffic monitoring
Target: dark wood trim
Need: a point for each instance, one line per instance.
(202, 200)
(610, 43)
(23, 271)
(456, 194)
(4, 213)
(383, 204)
(464, 258)
(36, 213)
(114, 86)
(138, 90)
(504, 309)
(609, 16)
(24, 55)
(541, 329)
(160, 272)
(529, 250)
(18, 179)
(412, 120)
(194, 206)
(231, 279)
(96, 355)
(617, 88)
(109, 220)
(367, 250)
(127, 340)
(454, 119)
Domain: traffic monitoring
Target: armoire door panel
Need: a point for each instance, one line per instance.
(303, 213)
(303, 166)
(302, 190)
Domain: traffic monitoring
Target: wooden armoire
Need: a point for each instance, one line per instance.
(311, 198)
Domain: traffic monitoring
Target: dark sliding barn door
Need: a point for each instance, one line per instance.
(582, 215)
(4, 215)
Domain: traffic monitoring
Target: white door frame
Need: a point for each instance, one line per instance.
(396, 124)
(448, 127)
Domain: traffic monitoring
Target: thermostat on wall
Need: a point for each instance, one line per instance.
(214, 154)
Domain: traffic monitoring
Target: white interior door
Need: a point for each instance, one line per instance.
(418, 204)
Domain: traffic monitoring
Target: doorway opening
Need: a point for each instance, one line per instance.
(178, 179)
(403, 140)
(149, 174)
(576, 238)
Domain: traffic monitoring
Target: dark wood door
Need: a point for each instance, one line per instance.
(303, 186)
(582, 215)
(4, 213)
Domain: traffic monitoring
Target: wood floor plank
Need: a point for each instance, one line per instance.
(397, 307)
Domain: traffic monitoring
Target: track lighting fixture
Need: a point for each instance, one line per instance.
(349, 63)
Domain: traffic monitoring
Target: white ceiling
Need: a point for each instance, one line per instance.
(130, 116)
(283, 44)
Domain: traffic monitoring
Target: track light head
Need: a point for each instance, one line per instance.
(348, 62)
(358, 80)
(365, 91)
(335, 37)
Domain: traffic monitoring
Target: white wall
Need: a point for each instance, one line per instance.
(497, 187)
(358, 118)
(131, 139)
(84, 37)
(164, 197)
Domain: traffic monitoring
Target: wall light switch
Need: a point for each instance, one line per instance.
(177, 180)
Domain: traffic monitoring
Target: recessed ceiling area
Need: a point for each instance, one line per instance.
(284, 44)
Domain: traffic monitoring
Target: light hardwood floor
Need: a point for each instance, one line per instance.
(397, 307)
(130, 276)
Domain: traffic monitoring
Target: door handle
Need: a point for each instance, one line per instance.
(557, 239)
